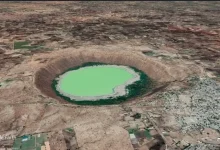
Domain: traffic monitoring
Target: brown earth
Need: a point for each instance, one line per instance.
(169, 41)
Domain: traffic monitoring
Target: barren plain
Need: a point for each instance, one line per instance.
(176, 43)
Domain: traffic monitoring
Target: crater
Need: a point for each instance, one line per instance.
(98, 77)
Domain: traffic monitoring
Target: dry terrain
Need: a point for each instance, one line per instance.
(176, 43)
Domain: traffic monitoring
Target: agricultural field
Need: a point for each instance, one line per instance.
(171, 100)
(28, 142)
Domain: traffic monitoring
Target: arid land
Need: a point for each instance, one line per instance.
(176, 43)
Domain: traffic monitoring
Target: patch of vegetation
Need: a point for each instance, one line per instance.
(133, 130)
(137, 116)
(218, 75)
(26, 45)
(20, 44)
(149, 53)
(137, 132)
(28, 142)
(5, 82)
(145, 84)
(147, 134)
(8, 80)
(69, 129)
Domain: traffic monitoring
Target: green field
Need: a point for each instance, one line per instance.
(33, 142)
(26, 45)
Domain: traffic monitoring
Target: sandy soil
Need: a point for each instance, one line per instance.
(170, 45)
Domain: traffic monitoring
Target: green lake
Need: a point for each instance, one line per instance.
(95, 83)
(93, 80)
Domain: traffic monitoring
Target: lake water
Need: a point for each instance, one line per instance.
(93, 80)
